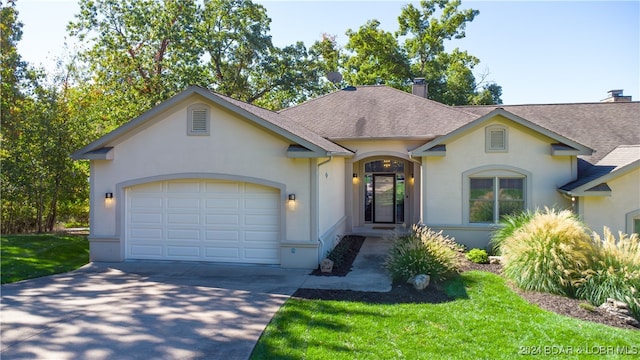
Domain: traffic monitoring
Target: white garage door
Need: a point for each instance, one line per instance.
(203, 220)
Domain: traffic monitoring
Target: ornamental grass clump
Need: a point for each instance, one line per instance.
(548, 253)
(508, 225)
(615, 272)
(423, 251)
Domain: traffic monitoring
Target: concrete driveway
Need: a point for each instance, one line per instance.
(143, 310)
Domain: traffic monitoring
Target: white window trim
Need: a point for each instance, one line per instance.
(487, 134)
(488, 171)
(630, 219)
(190, 110)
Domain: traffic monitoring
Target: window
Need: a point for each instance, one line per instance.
(490, 198)
(198, 120)
(496, 138)
(633, 222)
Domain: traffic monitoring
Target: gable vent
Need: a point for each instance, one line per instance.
(199, 122)
(497, 140)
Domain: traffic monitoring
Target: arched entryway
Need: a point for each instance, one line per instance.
(384, 193)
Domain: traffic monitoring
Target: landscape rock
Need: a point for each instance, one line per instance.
(621, 310)
(495, 259)
(421, 281)
(326, 265)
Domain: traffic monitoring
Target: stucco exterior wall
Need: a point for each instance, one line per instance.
(235, 148)
(331, 203)
(611, 211)
(528, 152)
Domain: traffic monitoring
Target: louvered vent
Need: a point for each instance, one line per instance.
(497, 140)
(199, 121)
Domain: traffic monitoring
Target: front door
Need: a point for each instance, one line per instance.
(384, 191)
(384, 198)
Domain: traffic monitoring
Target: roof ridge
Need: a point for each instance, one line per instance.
(445, 106)
(547, 104)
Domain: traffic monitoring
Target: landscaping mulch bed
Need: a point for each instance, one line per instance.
(405, 293)
(347, 249)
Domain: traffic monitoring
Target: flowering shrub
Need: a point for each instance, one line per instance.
(423, 251)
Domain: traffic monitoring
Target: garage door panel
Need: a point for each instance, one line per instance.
(183, 187)
(183, 252)
(261, 219)
(220, 219)
(183, 203)
(222, 187)
(183, 219)
(145, 233)
(146, 218)
(222, 253)
(146, 251)
(268, 203)
(203, 220)
(186, 234)
(141, 202)
(221, 203)
(220, 235)
(156, 187)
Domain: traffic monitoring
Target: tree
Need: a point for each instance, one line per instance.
(380, 57)
(39, 180)
(140, 53)
(376, 57)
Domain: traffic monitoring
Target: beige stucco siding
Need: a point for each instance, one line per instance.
(331, 202)
(528, 153)
(598, 211)
(235, 148)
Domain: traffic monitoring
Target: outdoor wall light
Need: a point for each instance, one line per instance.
(108, 200)
(355, 178)
(291, 204)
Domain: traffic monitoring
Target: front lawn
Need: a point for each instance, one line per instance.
(32, 256)
(486, 320)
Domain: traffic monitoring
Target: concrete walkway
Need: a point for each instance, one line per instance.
(367, 273)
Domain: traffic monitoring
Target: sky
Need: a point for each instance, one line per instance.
(538, 51)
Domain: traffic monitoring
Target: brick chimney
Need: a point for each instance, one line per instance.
(419, 87)
(616, 96)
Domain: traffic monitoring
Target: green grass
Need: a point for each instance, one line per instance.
(487, 320)
(31, 256)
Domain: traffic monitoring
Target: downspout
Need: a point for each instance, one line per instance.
(330, 155)
(316, 221)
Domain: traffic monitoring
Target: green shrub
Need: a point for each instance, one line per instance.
(548, 253)
(615, 272)
(478, 256)
(508, 225)
(423, 251)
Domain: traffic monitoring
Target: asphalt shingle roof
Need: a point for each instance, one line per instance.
(600, 126)
(620, 157)
(377, 112)
(288, 125)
